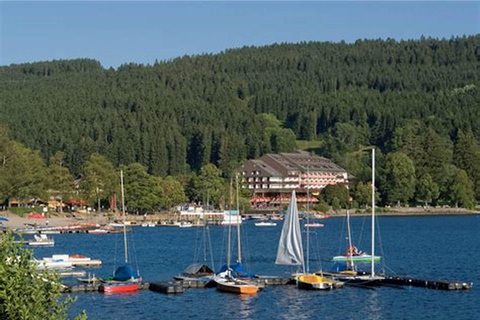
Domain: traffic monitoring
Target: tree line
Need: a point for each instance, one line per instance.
(25, 176)
(416, 101)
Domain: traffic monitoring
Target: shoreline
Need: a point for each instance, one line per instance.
(410, 214)
(397, 212)
(15, 221)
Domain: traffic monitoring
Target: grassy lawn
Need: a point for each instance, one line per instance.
(24, 211)
(310, 145)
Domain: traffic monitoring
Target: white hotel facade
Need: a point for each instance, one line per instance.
(273, 177)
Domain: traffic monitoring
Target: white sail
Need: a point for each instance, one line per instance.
(290, 250)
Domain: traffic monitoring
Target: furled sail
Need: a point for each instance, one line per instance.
(290, 250)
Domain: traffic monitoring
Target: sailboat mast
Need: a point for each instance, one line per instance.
(308, 222)
(373, 213)
(204, 237)
(123, 213)
(349, 232)
(238, 223)
(229, 226)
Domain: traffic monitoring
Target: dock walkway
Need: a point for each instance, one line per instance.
(175, 287)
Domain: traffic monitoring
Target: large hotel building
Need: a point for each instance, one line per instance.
(273, 177)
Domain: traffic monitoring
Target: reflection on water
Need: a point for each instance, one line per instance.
(374, 310)
(127, 296)
(296, 304)
(246, 303)
(240, 305)
(164, 252)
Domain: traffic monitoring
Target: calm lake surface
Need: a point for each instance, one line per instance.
(434, 248)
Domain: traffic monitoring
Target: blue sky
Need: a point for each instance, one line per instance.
(115, 33)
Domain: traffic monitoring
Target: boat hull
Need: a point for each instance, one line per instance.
(41, 243)
(119, 287)
(359, 258)
(236, 286)
(265, 224)
(357, 279)
(314, 225)
(314, 282)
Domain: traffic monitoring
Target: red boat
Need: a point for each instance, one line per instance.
(124, 278)
(119, 287)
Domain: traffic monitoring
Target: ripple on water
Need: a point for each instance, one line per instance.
(430, 248)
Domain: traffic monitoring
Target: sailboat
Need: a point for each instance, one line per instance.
(226, 280)
(290, 251)
(124, 278)
(352, 254)
(363, 278)
(200, 271)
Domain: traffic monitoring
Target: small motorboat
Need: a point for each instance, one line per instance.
(314, 282)
(185, 224)
(41, 240)
(53, 264)
(98, 231)
(148, 224)
(314, 225)
(196, 271)
(265, 224)
(119, 287)
(89, 279)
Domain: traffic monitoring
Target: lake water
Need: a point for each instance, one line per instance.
(434, 248)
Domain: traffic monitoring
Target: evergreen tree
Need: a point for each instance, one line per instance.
(173, 192)
(143, 192)
(462, 190)
(467, 157)
(338, 192)
(400, 178)
(22, 172)
(60, 180)
(363, 193)
(176, 116)
(427, 189)
(209, 185)
(100, 180)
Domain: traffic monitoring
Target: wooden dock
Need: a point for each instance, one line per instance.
(273, 280)
(429, 284)
(87, 263)
(176, 287)
(168, 287)
(398, 281)
(173, 287)
(93, 287)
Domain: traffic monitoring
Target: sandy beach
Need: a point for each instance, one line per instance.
(15, 221)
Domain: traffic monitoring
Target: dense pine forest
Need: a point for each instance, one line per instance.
(417, 101)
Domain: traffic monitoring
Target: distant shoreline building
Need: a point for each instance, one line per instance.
(273, 177)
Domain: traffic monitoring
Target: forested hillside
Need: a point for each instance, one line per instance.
(417, 101)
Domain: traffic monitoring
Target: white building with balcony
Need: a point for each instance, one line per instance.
(273, 177)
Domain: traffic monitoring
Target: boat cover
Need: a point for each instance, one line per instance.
(198, 268)
(124, 273)
(237, 271)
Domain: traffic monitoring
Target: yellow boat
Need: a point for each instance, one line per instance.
(290, 252)
(314, 282)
